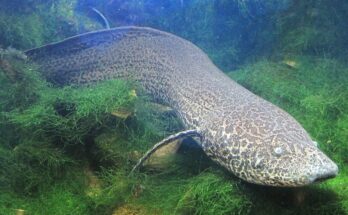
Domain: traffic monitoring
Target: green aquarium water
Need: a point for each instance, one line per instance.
(69, 139)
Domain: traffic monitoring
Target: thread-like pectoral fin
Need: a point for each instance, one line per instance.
(166, 141)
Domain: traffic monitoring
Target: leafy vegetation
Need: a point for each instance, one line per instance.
(314, 27)
(29, 24)
(46, 134)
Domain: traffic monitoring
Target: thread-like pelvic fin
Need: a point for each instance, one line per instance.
(170, 139)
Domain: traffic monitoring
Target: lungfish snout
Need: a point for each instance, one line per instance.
(323, 173)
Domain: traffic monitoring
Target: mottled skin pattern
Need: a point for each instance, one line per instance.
(249, 136)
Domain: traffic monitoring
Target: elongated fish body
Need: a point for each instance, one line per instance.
(249, 136)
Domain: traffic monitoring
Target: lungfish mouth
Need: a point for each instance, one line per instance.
(324, 177)
(324, 174)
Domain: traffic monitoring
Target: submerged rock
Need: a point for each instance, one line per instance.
(163, 157)
(292, 64)
(94, 184)
(111, 149)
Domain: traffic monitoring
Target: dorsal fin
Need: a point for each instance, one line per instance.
(86, 58)
(88, 40)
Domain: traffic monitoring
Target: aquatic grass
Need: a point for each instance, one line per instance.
(111, 150)
(64, 196)
(61, 201)
(29, 24)
(116, 189)
(181, 192)
(339, 185)
(123, 143)
(70, 113)
(151, 124)
(54, 117)
(150, 187)
(313, 27)
(19, 80)
(211, 193)
(160, 194)
(43, 120)
(21, 31)
(10, 203)
(31, 165)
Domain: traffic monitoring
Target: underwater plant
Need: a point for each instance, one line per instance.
(313, 28)
(45, 132)
(27, 24)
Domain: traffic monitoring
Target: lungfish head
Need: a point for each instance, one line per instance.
(265, 145)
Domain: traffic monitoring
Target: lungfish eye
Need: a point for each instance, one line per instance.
(278, 151)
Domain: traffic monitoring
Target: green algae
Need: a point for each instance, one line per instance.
(28, 24)
(64, 196)
(71, 114)
(314, 27)
(211, 193)
(117, 188)
(46, 132)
